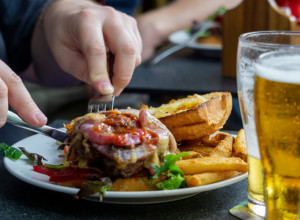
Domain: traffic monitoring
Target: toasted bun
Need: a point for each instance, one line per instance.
(195, 116)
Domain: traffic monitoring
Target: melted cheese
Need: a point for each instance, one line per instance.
(176, 106)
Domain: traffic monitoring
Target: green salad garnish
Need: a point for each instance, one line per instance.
(175, 177)
(10, 152)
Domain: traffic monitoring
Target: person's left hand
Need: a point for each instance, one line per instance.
(78, 33)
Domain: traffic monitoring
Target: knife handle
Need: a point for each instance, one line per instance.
(15, 120)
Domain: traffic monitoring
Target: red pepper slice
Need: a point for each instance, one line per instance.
(68, 173)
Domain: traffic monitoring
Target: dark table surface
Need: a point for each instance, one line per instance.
(185, 72)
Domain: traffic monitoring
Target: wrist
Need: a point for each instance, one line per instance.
(153, 28)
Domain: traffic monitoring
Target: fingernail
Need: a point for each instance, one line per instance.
(106, 88)
(40, 117)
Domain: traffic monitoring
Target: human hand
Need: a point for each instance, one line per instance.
(13, 92)
(78, 33)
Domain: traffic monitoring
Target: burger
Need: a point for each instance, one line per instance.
(120, 143)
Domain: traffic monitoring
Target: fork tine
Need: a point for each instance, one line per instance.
(98, 107)
(100, 103)
(113, 102)
(90, 108)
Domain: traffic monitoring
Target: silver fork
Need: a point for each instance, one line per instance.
(202, 27)
(101, 103)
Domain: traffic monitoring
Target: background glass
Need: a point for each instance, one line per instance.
(277, 117)
(250, 46)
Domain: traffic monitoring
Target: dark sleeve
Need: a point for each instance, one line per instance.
(126, 6)
(17, 20)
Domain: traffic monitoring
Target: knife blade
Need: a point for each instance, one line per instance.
(54, 133)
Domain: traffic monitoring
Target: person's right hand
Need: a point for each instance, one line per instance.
(14, 93)
(78, 32)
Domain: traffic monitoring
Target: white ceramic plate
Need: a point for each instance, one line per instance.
(181, 36)
(47, 147)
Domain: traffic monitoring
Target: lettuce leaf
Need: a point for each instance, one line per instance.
(168, 161)
(92, 187)
(10, 152)
(35, 158)
(175, 175)
(174, 182)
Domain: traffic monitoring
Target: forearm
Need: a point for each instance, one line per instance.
(180, 14)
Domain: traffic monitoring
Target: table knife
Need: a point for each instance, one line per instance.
(54, 133)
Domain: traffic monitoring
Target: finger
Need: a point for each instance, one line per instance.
(73, 62)
(3, 102)
(125, 49)
(20, 99)
(90, 37)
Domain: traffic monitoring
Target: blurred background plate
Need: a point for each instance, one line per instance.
(181, 36)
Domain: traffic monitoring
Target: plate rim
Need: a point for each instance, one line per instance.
(183, 192)
(194, 44)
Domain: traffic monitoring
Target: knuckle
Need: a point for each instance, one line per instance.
(95, 50)
(110, 11)
(113, 18)
(15, 79)
(128, 48)
(86, 13)
(29, 102)
(133, 21)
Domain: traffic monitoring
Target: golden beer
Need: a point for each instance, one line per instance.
(277, 117)
(255, 168)
(255, 180)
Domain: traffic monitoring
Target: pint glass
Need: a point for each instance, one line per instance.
(277, 117)
(250, 46)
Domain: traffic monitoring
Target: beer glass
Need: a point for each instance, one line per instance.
(277, 119)
(250, 46)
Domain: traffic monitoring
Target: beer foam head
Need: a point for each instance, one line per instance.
(280, 67)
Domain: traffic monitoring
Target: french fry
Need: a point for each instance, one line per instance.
(206, 149)
(239, 146)
(208, 178)
(214, 140)
(224, 148)
(212, 164)
(208, 141)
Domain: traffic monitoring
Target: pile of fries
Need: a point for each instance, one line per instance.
(214, 158)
